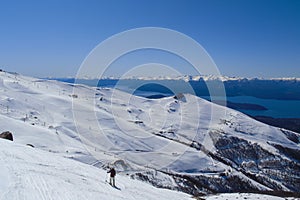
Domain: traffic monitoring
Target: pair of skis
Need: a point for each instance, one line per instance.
(113, 186)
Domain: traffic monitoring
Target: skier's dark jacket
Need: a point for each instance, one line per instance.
(112, 172)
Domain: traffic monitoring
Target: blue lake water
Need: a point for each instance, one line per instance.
(276, 108)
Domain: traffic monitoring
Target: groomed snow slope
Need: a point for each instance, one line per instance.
(32, 174)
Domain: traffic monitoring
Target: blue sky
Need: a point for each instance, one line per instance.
(244, 38)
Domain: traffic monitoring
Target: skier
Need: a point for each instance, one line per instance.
(112, 172)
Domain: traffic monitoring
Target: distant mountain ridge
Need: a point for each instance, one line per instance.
(183, 77)
(274, 88)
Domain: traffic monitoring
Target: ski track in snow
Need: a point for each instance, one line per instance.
(40, 175)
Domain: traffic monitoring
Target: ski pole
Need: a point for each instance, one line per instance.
(106, 177)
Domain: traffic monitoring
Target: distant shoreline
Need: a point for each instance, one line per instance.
(292, 124)
(242, 106)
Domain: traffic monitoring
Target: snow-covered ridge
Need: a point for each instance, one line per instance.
(159, 141)
(222, 78)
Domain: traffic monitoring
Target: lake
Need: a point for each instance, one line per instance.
(276, 108)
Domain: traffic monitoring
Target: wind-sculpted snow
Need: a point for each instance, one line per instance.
(186, 144)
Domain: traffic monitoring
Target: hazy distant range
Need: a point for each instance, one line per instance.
(273, 101)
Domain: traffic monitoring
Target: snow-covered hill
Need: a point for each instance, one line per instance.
(28, 173)
(184, 143)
